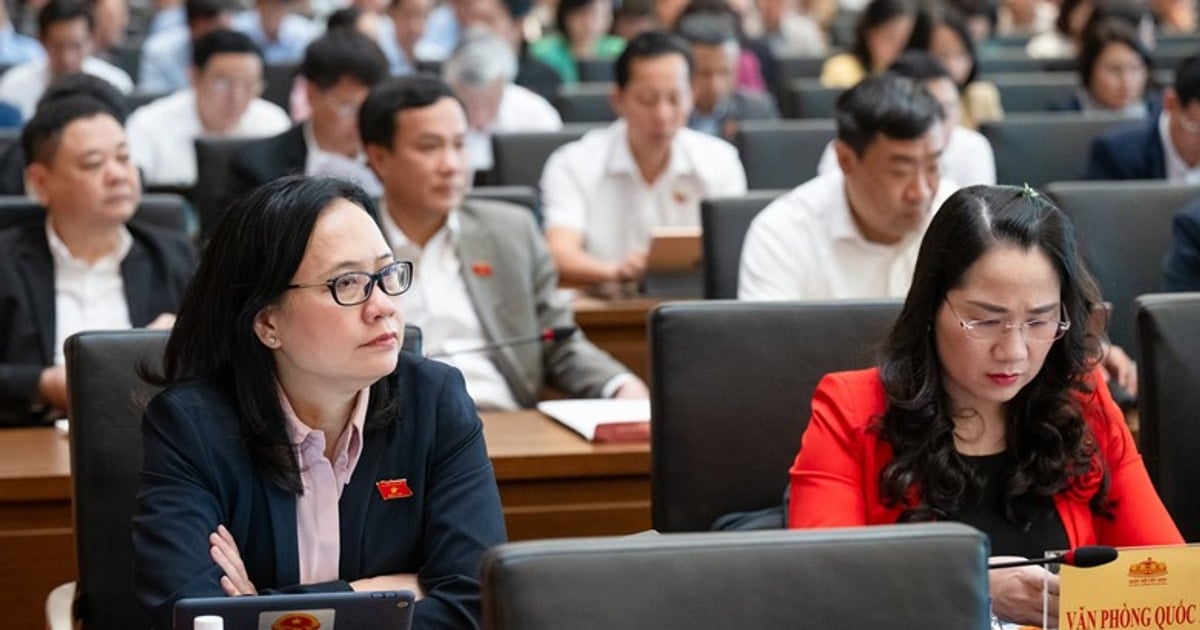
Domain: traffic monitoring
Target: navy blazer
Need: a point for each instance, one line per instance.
(1130, 152)
(1182, 266)
(155, 274)
(197, 473)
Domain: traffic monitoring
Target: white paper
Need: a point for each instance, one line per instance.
(584, 415)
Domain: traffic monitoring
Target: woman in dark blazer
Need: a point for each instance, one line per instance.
(296, 449)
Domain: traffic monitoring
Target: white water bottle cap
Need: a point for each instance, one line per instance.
(208, 622)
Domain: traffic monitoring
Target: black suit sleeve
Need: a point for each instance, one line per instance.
(1182, 266)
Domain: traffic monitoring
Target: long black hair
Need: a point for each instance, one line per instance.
(245, 268)
(1045, 430)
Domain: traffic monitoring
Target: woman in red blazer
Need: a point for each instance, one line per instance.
(986, 407)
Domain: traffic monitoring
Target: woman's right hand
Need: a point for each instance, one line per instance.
(1017, 593)
(224, 552)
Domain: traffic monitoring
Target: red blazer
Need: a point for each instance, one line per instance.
(835, 478)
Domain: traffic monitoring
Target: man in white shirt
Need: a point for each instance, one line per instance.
(65, 31)
(227, 79)
(968, 158)
(854, 232)
(82, 267)
(481, 72)
(483, 275)
(339, 70)
(604, 194)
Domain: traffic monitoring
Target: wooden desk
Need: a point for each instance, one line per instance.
(552, 484)
(619, 327)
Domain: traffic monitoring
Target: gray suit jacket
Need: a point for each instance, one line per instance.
(511, 281)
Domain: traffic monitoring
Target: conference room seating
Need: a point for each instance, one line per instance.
(108, 398)
(210, 195)
(1124, 232)
(518, 157)
(1008, 59)
(789, 67)
(597, 70)
(724, 222)
(160, 209)
(1037, 149)
(279, 77)
(1032, 90)
(782, 153)
(931, 576)
(126, 56)
(731, 384)
(808, 98)
(526, 196)
(585, 103)
(1169, 338)
(137, 99)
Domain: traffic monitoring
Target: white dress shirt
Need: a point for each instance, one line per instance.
(23, 85)
(593, 185)
(521, 109)
(321, 162)
(87, 296)
(967, 160)
(1177, 170)
(439, 304)
(162, 135)
(806, 246)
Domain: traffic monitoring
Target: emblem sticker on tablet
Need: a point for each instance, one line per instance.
(320, 619)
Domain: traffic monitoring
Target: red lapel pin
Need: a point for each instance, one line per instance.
(481, 268)
(394, 489)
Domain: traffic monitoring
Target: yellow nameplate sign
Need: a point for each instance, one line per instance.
(1144, 588)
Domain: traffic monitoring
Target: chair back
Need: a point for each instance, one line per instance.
(518, 157)
(164, 210)
(782, 153)
(1169, 429)
(809, 98)
(107, 400)
(526, 196)
(279, 78)
(1034, 90)
(731, 390)
(725, 221)
(213, 157)
(585, 103)
(1124, 232)
(1036, 149)
(597, 70)
(862, 578)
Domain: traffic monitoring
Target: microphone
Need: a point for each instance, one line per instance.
(1082, 557)
(554, 334)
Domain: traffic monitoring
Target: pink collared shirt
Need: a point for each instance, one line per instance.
(318, 533)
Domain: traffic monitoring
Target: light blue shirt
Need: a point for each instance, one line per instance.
(16, 48)
(442, 33)
(166, 57)
(295, 33)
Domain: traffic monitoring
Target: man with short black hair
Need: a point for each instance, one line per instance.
(483, 272)
(854, 232)
(83, 267)
(604, 194)
(1166, 146)
(339, 69)
(65, 31)
(227, 79)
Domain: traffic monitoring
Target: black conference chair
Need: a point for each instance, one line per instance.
(137, 99)
(160, 209)
(585, 103)
(808, 98)
(1034, 91)
(1009, 59)
(107, 401)
(518, 158)
(1169, 431)
(1036, 149)
(731, 385)
(526, 196)
(861, 578)
(597, 70)
(210, 196)
(1124, 232)
(724, 224)
(279, 77)
(782, 153)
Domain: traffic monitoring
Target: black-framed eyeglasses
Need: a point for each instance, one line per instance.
(354, 287)
(1045, 330)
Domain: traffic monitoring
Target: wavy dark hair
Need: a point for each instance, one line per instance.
(246, 267)
(1045, 429)
(876, 14)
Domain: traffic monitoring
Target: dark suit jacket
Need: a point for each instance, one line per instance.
(1130, 152)
(1182, 266)
(517, 297)
(265, 160)
(155, 273)
(197, 473)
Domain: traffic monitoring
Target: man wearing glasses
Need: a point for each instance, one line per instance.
(1166, 146)
(227, 79)
(339, 70)
(483, 273)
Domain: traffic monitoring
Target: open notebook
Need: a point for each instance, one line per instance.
(379, 610)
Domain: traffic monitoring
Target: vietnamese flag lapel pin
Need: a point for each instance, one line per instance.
(481, 268)
(393, 489)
